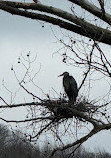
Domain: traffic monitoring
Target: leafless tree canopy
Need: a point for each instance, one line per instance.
(64, 19)
(57, 116)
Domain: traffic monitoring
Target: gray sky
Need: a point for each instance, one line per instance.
(18, 36)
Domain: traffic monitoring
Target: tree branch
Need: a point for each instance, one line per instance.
(85, 28)
(51, 105)
(101, 2)
(93, 10)
(54, 11)
(28, 120)
(83, 139)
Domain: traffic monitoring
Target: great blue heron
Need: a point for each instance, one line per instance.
(70, 86)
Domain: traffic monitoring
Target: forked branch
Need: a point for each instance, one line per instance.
(73, 23)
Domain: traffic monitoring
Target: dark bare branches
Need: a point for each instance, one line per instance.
(75, 23)
(56, 115)
(93, 9)
(50, 115)
(101, 2)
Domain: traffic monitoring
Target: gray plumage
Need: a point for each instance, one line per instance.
(70, 86)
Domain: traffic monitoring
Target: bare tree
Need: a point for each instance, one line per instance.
(86, 53)
(65, 19)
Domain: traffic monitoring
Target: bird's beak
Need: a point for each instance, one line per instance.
(60, 75)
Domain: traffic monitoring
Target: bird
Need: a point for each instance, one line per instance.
(70, 86)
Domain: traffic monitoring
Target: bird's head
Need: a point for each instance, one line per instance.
(64, 74)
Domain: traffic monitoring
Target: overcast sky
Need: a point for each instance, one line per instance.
(18, 36)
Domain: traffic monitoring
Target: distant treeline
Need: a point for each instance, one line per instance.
(14, 145)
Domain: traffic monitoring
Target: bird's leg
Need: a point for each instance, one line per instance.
(71, 104)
